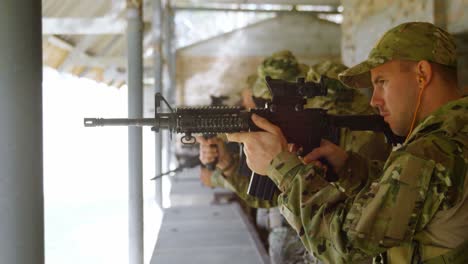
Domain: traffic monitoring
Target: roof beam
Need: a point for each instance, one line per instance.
(104, 52)
(83, 26)
(109, 25)
(117, 9)
(99, 61)
(61, 43)
(84, 59)
(80, 49)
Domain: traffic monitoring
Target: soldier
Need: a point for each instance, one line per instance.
(285, 246)
(280, 65)
(411, 210)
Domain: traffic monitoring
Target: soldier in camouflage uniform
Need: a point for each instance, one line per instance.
(285, 245)
(414, 208)
(340, 100)
(280, 65)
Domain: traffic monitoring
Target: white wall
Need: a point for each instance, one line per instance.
(303, 34)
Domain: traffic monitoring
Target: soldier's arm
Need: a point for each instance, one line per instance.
(232, 180)
(227, 174)
(362, 214)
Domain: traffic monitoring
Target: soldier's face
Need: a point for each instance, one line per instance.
(395, 94)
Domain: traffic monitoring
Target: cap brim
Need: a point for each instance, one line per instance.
(359, 76)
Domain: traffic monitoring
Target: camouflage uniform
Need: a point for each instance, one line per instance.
(414, 207)
(285, 244)
(280, 65)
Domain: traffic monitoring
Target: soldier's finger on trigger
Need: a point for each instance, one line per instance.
(314, 155)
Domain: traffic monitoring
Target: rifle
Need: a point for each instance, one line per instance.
(188, 163)
(215, 101)
(303, 127)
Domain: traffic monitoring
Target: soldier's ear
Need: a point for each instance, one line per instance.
(424, 73)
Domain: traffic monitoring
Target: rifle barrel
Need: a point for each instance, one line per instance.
(162, 122)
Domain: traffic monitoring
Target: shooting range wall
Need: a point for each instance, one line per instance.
(222, 64)
(365, 21)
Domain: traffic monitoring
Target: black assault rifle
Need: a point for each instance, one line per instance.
(303, 127)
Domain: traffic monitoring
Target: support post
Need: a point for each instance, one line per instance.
(21, 160)
(158, 88)
(169, 55)
(135, 146)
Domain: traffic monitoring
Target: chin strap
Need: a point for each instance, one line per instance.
(416, 110)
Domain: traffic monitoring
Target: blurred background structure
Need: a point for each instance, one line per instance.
(186, 49)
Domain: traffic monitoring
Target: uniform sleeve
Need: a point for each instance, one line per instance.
(218, 180)
(232, 180)
(365, 212)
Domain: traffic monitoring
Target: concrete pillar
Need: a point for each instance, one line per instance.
(135, 110)
(158, 88)
(21, 167)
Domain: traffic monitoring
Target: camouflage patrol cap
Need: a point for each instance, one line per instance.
(414, 41)
(281, 65)
(328, 68)
(340, 99)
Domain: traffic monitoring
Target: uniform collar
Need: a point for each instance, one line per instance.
(446, 118)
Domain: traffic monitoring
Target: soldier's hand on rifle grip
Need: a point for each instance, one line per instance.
(213, 153)
(333, 154)
(261, 147)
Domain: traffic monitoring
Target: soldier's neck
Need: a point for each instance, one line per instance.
(435, 96)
